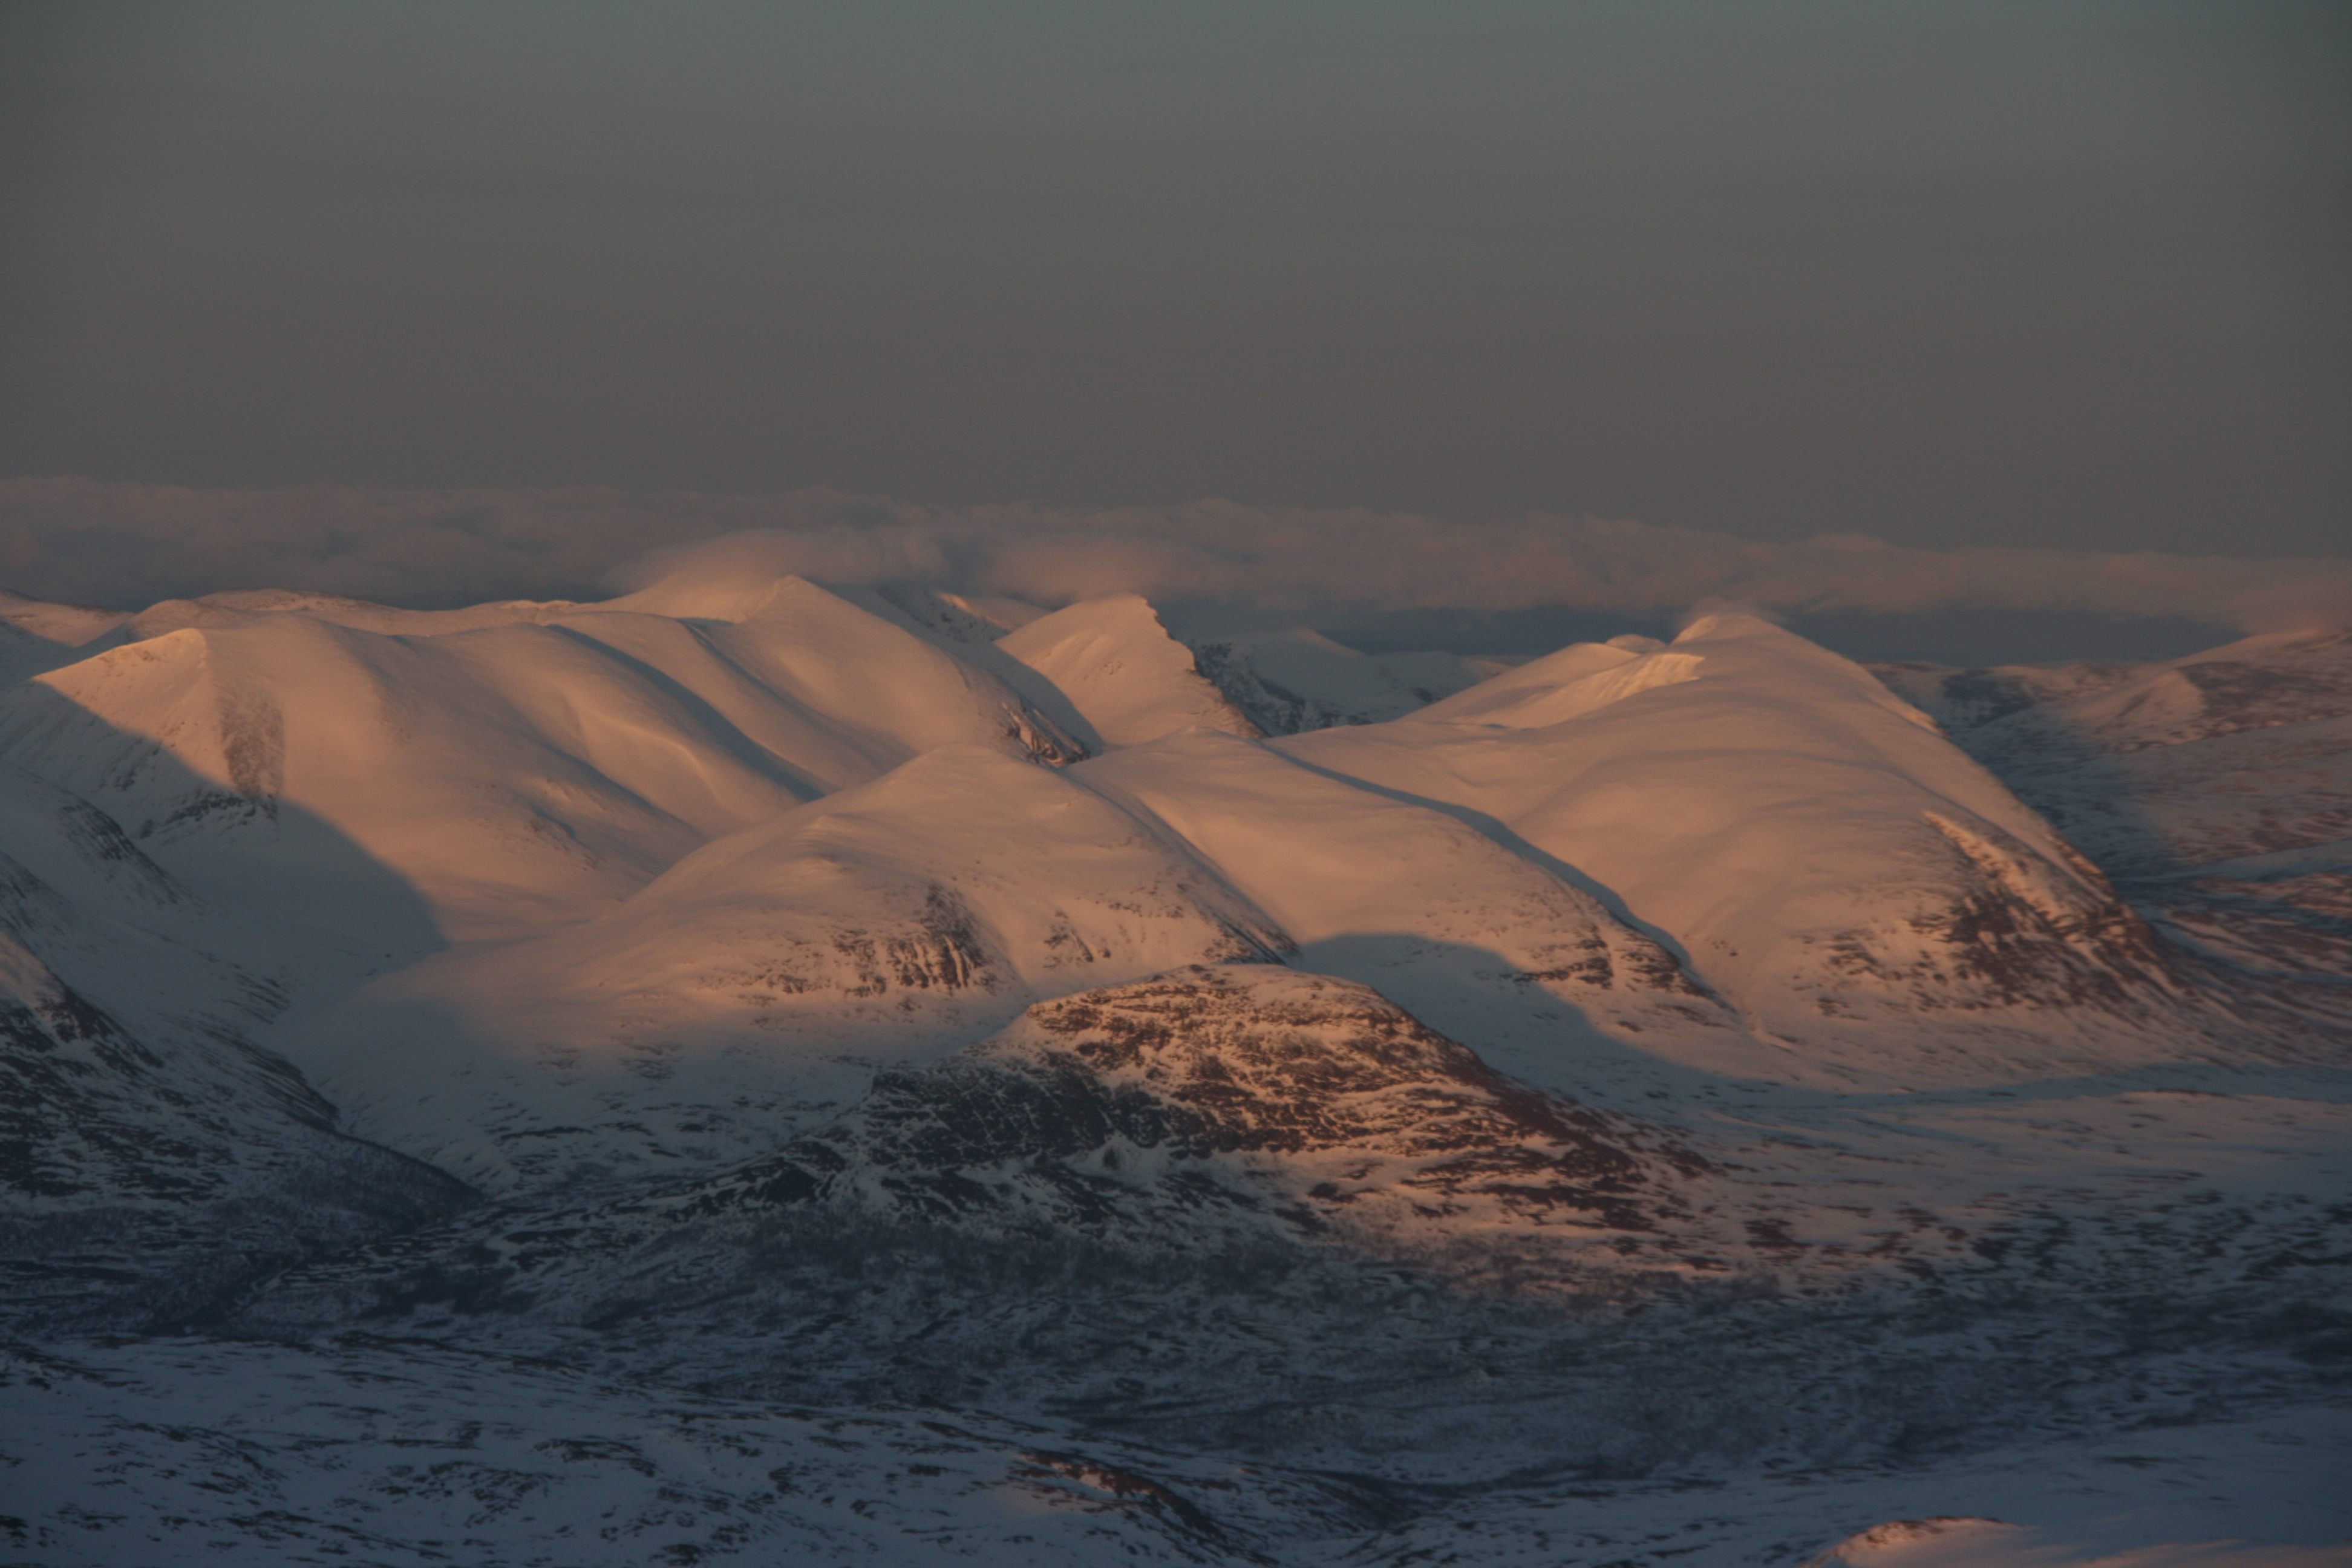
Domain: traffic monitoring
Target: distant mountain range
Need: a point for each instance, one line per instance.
(479, 1085)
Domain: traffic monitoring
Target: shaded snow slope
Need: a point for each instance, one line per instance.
(36, 636)
(969, 628)
(700, 1018)
(2239, 751)
(1252, 1119)
(1867, 895)
(377, 1450)
(2218, 788)
(1268, 1215)
(64, 625)
(141, 1175)
(381, 1453)
(1114, 660)
(150, 1154)
(1206, 1111)
(1285, 682)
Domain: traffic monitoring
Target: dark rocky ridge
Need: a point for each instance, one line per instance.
(1180, 1074)
(1248, 1113)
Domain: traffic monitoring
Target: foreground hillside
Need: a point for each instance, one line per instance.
(750, 1068)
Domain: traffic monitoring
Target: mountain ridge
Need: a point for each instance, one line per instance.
(1384, 1120)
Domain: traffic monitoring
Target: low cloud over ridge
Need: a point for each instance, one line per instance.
(128, 545)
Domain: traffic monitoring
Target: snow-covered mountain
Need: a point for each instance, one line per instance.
(1118, 665)
(1871, 900)
(429, 783)
(1048, 1089)
(2216, 788)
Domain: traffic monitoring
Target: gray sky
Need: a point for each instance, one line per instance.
(2050, 273)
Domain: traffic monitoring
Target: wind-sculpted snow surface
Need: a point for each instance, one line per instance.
(1471, 935)
(748, 1072)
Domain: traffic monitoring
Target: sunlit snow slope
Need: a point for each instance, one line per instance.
(1868, 896)
(388, 791)
(1114, 660)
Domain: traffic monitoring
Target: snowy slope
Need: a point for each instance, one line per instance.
(966, 620)
(765, 972)
(1865, 893)
(969, 628)
(2165, 767)
(370, 1449)
(410, 787)
(151, 1153)
(1210, 1108)
(1476, 939)
(36, 635)
(1286, 682)
(2218, 788)
(144, 1174)
(1257, 1089)
(1267, 1215)
(1114, 660)
(376, 1452)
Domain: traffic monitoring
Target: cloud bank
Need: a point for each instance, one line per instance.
(126, 546)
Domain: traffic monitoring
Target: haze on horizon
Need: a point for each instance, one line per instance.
(2000, 275)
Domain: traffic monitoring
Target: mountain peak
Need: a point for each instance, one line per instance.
(1114, 659)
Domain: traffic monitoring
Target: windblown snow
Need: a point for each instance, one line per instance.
(748, 1072)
